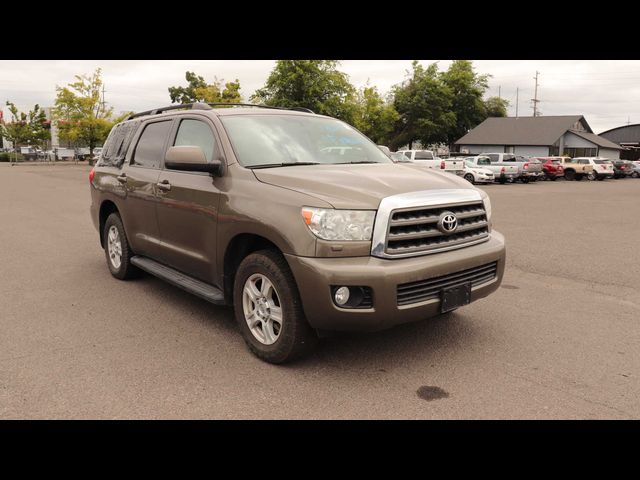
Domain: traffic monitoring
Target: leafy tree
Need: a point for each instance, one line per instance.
(496, 107)
(467, 105)
(314, 84)
(31, 127)
(424, 103)
(198, 90)
(80, 114)
(375, 117)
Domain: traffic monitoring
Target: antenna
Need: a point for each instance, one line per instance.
(517, 92)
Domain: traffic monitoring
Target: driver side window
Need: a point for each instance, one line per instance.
(197, 134)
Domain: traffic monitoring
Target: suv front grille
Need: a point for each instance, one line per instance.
(415, 230)
(429, 289)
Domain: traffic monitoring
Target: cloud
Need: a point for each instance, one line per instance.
(606, 92)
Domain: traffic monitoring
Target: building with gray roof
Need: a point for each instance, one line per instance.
(538, 137)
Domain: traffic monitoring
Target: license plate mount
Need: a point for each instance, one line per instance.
(454, 297)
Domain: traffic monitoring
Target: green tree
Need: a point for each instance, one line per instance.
(468, 89)
(80, 114)
(198, 90)
(26, 127)
(424, 103)
(496, 107)
(314, 84)
(375, 117)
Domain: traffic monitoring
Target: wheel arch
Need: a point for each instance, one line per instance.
(107, 207)
(237, 249)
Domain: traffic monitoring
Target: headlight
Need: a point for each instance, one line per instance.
(330, 224)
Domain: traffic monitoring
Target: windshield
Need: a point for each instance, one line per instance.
(399, 158)
(423, 155)
(484, 161)
(274, 140)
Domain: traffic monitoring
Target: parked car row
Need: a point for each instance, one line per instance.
(508, 167)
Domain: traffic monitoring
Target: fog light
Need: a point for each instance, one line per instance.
(341, 296)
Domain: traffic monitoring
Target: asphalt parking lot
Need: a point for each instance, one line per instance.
(558, 340)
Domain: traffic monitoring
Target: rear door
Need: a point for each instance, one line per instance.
(140, 175)
(188, 204)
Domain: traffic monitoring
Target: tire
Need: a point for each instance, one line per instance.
(524, 180)
(592, 176)
(273, 341)
(469, 178)
(635, 175)
(569, 174)
(115, 242)
(553, 178)
(600, 178)
(578, 177)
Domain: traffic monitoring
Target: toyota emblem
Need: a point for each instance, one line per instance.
(448, 223)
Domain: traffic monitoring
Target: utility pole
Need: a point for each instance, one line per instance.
(102, 102)
(517, 92)
(499, 96)
(535, 96)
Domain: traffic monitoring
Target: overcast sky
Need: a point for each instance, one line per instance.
(607, 93)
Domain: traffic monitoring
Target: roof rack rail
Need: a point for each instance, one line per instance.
(256, 105)
(207, 106)
(182, 106)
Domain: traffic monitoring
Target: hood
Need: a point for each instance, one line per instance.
(482, 170)
(358, 186)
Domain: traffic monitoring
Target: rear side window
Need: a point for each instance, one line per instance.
(117, 144)
(196, 134)
(407, 154)
(493, 157)
(151, 145)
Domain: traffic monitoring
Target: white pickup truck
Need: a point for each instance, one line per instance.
(429, 160)
(501, 173)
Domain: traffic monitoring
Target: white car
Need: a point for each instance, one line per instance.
(428, 159)
(602, 167)
(475, 174)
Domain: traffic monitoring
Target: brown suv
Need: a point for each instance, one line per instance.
(296, 219)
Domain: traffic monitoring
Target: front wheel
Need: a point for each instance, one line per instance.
(469, 178)
(635, 175)
(268, 308)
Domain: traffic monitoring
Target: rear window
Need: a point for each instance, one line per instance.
(508, 158)
(423, 155)
(117, 144)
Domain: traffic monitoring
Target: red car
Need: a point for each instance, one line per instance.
(552, 167)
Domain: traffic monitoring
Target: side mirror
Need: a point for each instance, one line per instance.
(191, 159)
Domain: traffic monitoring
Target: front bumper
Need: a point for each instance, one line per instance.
(315, 276)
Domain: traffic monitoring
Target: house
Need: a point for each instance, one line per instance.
(538, 137)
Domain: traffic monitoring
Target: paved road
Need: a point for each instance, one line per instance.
(559, 339)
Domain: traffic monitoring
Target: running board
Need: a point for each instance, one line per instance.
(180, 280)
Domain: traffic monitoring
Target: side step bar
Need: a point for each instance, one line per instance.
(180, 280)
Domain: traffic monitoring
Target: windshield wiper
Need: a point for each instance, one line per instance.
(352, 163)
(288, 164)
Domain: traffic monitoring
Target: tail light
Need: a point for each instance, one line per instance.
(526, 166)
(560, 168)
(92, 174)
(442, 165)
(503, 169)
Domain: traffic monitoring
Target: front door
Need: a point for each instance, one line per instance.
(188, 206)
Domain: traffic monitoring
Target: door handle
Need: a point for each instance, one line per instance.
(164, 185)
(122, 178)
